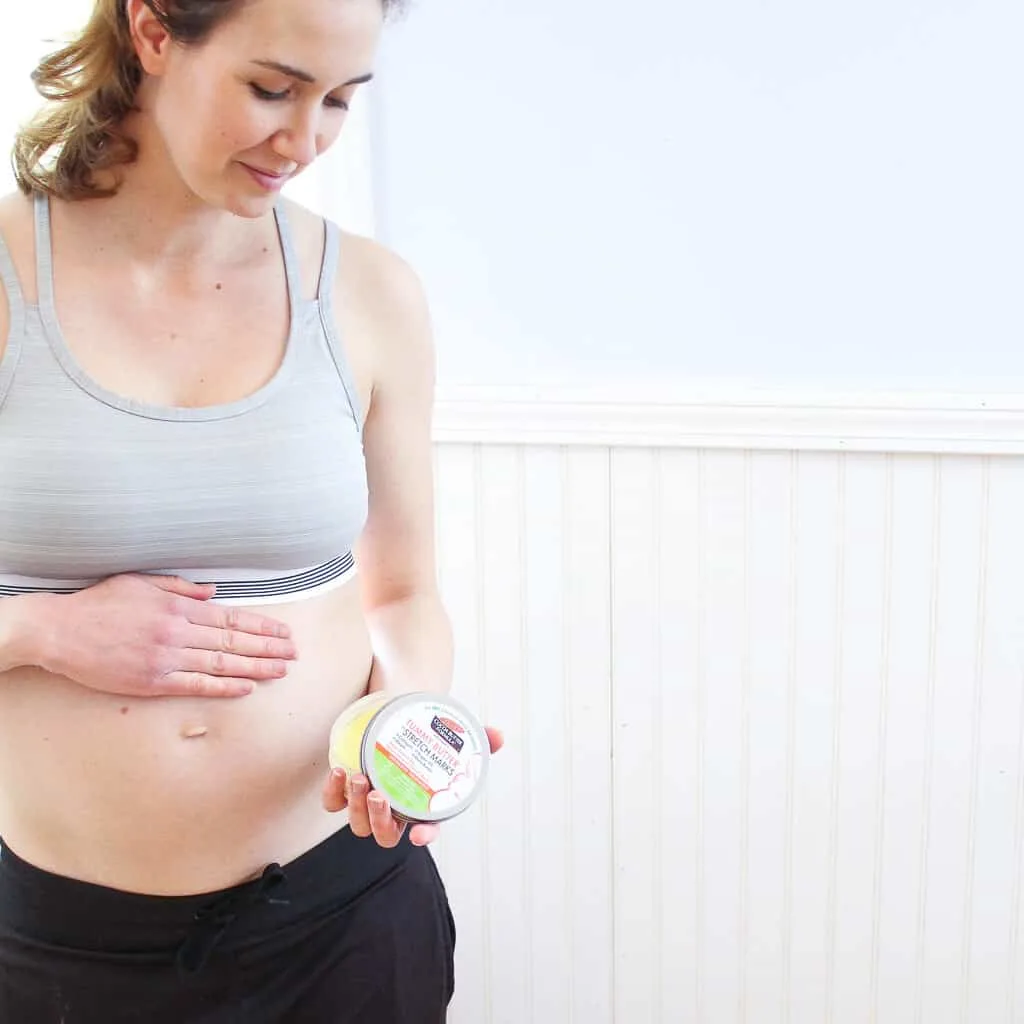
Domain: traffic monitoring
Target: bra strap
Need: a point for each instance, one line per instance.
(325, 302)
(291, 260)
(44, 253)
(12, 286)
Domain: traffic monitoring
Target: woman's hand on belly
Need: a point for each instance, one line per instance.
(158, 636)
(369, 813)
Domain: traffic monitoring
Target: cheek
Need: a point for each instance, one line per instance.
(207, 133)
(239, 127)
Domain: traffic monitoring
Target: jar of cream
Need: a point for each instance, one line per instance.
(424, 751)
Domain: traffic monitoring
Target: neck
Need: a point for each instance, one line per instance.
(157, 218)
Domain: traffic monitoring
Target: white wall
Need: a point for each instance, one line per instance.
(765, 720)
(792, 193)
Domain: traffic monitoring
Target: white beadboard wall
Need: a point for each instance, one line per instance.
(765, 728)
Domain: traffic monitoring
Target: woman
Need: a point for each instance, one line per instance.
(212, 407)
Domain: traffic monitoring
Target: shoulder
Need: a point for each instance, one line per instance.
(16, 225)
(14, 206)
(16, 229)
(382, 281)
(386, 297)
(369, 274)
(379, 302)
(378, 274)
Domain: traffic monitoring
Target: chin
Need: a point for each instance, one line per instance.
(250, 207)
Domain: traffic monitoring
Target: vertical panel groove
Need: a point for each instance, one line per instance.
(524, 646)
(1018, 852)
(442, 561)
(979, 679)
(658, 846)
(568, 802)
(744, 923)
(838, 673)
(482, 675)
(698, 960)
(791, 670)
(613, 682)
(883, 723)
(929, 750)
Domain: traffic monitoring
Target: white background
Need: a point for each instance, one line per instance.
(787, 193)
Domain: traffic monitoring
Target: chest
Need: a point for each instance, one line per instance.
(195, 341)
(93, 486)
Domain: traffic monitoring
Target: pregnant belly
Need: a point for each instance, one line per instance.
(180, 795)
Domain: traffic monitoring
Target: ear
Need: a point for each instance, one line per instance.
(151, 40)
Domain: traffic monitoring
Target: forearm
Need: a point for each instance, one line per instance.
(20, 631)
(412, 645)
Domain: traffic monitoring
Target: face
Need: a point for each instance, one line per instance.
(261, 98)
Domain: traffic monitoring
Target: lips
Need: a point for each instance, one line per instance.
(269, 181)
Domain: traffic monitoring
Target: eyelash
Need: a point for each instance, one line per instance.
(265, 94)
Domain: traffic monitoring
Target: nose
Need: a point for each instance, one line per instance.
(300, 142)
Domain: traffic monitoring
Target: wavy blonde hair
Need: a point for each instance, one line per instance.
(90, 85)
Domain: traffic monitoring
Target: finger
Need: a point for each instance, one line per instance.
(234, 641)
(182, 587)
(217, 663)
(358, 812)
(199, 684)
(334, 791)
(495, 737)
(424, 835)
(237, 621)
(386, 830)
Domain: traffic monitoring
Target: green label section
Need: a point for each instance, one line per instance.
(398, 786)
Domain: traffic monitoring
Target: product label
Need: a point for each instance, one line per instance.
(449, 732)
(424, 761)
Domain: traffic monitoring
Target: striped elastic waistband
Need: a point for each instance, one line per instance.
(233, 587)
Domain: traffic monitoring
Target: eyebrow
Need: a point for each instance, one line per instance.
(305, 76)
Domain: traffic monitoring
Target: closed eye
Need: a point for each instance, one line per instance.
(266, 94)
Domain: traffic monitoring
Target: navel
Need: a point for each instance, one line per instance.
(193, 732)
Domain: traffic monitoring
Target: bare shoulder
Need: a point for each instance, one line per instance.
(386, 297)
(17, 226)
(16, 223)
(14, 206)
(371, 279)
(16, 229)
(379, 304)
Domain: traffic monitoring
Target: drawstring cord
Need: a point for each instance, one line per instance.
(213, 921)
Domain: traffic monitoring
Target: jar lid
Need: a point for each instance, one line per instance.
(428, 754)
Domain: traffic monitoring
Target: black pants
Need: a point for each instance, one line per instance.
(346, 934)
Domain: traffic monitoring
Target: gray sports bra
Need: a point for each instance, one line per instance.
(264, 496)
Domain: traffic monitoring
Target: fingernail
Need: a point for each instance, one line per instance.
(337, 773)
(359, 784)
(376, 803)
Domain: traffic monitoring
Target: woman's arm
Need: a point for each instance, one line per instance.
(409, 628)
(410, 631)
(144, 636)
